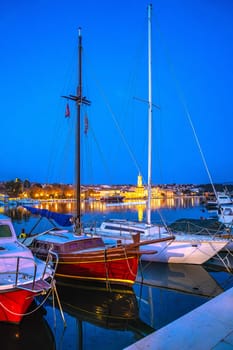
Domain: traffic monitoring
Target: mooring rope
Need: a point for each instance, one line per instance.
(108, 285)
(27, 313)
(225, 260)
(52, 290)
(127, 260)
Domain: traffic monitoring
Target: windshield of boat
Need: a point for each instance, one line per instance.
(5, 231)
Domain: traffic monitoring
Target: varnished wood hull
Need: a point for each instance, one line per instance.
(116, 266)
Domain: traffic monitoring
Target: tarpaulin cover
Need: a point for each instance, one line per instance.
(60, 219)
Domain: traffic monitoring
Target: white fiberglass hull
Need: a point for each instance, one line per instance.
(184, 251)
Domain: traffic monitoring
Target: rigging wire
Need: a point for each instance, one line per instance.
(59, 152)
(114, 118)
(100, 151)
(182, 99)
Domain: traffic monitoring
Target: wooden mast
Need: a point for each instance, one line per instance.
(80, 100)
(149, 117)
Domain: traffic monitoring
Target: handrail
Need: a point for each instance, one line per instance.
(21, 269)
(52, 258)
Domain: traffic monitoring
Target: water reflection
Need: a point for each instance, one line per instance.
(93, 206)
(169, 291)
(91, 209)
(117, 318)
(32, 333)
(18, 214)
(190, 279)
(93, 213)
(109, 308)
(115, 309)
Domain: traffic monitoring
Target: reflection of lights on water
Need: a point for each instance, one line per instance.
(171, 202)
(17, 335)
(140, 208)
(140, 213)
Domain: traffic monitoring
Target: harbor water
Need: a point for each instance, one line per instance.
(93, 317)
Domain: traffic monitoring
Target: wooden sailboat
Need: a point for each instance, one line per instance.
(170, 247)
(83, 257)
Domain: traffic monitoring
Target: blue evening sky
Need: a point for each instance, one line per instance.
(192, 72)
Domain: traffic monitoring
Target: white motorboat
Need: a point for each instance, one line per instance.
(221, 199)
(22, 276)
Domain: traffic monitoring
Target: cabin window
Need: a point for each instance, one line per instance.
(227, 212)
(89, 244)
(72, 246)
(5, 231)
(124, 229)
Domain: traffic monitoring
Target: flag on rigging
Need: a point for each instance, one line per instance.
(86, 124)
(67, 112)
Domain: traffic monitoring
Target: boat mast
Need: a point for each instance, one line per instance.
(80, 100)
(149, 117)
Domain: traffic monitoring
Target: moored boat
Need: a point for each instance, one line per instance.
(22, 276)
(112, 199)
(184, 248)
(84, 257)
(221, 198)
(87, 258)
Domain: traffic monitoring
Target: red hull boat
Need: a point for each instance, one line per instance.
(22, 276)
(88, 258)
(115, 270)
(14, 304)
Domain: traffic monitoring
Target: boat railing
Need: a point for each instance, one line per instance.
(18, 270)
(51, 263)
(198, 227)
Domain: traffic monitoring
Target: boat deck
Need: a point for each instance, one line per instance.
(208, 327)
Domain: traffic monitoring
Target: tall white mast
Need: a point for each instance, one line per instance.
(149, 116)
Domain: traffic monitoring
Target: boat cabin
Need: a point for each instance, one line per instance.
(66, 243)
(129, 227)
